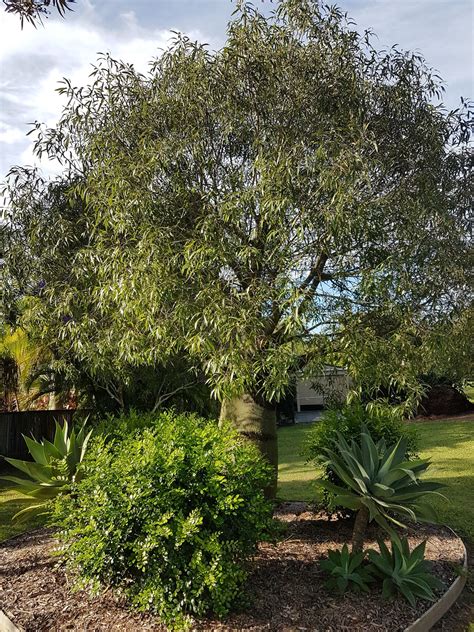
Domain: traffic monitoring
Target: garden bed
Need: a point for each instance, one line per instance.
(285, 586)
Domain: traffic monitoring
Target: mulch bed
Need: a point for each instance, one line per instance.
(285, 585)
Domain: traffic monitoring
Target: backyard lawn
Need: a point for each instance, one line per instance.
(450, 444)
(10, 503)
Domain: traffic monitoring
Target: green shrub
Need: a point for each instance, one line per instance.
(169, 511)
(378, 482)
(54, 468)
(405, 571)
(382, 421)
(347, 571)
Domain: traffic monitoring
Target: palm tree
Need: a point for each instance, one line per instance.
(20, 357)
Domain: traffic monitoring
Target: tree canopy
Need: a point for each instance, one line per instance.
(282, 202)
(33, 11)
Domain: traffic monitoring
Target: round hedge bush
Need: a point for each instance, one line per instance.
(168, 511)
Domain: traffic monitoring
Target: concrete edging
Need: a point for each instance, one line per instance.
(422, 624)
(441, 607)
(6, 625)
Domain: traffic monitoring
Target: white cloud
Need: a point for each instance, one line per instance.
(34, 61)
(10, 134)
(129, 20)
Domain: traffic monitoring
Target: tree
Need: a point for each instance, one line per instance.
(19, 358)
(253, 205)
(33, 11)
(41, 240)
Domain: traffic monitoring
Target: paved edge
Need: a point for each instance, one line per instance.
(441, 607)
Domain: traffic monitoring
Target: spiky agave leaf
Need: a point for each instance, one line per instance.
(404, 571)
(55, 466)
(381, 479)
(346, 571)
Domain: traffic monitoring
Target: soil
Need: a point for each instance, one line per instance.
(448, 419)
(285, 586)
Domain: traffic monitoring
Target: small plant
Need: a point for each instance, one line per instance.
(405, 571)
(382, 422)
(169, 511)
(346, 571)
(378, 483)
(55, 467)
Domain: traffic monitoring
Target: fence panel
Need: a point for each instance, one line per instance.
(39, 423)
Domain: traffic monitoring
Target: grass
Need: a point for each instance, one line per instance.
(450, 444)
(295, 476)
(10, 503)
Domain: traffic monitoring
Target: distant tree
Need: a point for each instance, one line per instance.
(254, 207)
(33, 11)
(19, 358)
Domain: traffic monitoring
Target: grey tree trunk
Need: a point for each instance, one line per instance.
(360, 527)
(52, 402)
(256, 421)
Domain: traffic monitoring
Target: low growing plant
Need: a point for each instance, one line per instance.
(347, 571)
(404, 571)
(54, 468)
(168, 513)
(378, 482)
(382, 422)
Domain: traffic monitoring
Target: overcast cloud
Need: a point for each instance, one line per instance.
(32, 61)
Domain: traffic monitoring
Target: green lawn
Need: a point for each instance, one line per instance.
(295, 476)
(450, 444)
(10, 503)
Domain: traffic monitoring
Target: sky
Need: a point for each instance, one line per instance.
(33, 61)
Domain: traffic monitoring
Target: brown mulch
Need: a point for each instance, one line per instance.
(285, 585)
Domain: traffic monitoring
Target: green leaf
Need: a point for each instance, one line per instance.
(60, 438)
(36, 450)
(34, 470)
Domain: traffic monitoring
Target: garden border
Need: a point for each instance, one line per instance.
(424, 623)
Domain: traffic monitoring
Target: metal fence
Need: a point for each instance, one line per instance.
(39, 423)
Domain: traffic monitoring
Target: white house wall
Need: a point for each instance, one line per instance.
(318, 390)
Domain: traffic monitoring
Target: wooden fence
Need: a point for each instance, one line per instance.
(39, 423)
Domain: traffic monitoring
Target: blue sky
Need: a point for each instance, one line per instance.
(33, 61)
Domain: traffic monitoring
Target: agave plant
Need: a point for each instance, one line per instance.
(55, 466)
(380, 483)
(346, 570)
(405, 571)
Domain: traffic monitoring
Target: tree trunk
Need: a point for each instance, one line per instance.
(256, 421)
(360, 526)
(52, 401)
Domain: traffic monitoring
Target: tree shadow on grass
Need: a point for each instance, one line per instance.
(8, 508)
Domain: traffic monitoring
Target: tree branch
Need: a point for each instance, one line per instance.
(161, 400)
